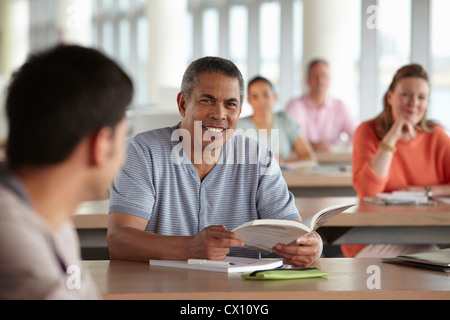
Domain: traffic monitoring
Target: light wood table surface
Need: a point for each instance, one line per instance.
(307, 179)
(347, 279)
(363, 224)
(94, 215)
(368, 215)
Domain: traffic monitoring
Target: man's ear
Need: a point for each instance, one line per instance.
(101, 144)
(181, 101)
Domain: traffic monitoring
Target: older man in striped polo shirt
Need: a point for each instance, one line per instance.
(183, 188)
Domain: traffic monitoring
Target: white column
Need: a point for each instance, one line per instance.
(167, 57)
(14, 46)
(74, 21)
(329, 32)
(14, 40)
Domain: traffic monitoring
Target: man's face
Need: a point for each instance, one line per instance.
(212, 109)
(112, 158)
(319, 78)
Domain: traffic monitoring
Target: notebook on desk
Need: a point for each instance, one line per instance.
(437, 260)
(231, 265)
(400, 198)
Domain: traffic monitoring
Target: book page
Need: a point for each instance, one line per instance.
(321, 217)
(262, 236)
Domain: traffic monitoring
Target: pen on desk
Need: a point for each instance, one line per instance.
(209, 262)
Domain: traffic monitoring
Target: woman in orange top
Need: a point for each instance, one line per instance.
(401, 149)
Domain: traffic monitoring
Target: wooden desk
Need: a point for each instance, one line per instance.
(371, 215)
(304, 179)
(368, 223)
(92, 215)
(328, 183)
(334, 157)
(347, 279)
(365, 223)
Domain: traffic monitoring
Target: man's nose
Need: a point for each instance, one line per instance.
(218, 111)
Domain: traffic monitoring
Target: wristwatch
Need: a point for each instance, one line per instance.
(429, 192)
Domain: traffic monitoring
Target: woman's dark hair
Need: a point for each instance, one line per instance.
(57, 98)
(259, 78)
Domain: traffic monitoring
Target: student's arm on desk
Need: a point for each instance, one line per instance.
(128, 240)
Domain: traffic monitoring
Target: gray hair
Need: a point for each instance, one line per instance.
(211, 65)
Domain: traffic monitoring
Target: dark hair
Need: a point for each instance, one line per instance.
(316, 61)
(210, 65)
(259, 78)
(385, 119)
(57, 98)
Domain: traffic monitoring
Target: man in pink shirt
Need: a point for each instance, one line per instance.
(322, 118)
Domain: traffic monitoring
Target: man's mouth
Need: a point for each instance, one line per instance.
(215, 129)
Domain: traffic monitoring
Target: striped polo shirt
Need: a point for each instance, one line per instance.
(158, 182)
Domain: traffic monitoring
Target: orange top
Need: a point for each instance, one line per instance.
(422, 161)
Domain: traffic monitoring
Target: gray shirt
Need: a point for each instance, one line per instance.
(35, 264)
(159, 183)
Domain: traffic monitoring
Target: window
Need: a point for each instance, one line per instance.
(440, 63)
(43, 29)
(120, 29)
(245, 32)
(238, 41)
(211, 32)
(270, 44)
(394, 35)
(297, 41)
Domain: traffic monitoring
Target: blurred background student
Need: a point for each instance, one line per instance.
(401, 150)
(285, 141)
(322, 118)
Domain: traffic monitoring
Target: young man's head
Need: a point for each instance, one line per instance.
(61, 97)
(57, 98)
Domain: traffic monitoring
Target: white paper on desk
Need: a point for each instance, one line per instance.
(400, 197)
(330, 169)
(298, 165)
(240, 265)
(443, 199)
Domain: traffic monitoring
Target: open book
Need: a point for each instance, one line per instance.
(264, 234)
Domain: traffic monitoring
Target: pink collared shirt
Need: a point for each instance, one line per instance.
(323, 124)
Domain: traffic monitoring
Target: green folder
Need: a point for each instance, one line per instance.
(284, 274)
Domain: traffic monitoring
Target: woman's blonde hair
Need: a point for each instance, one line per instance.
(385, 120)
